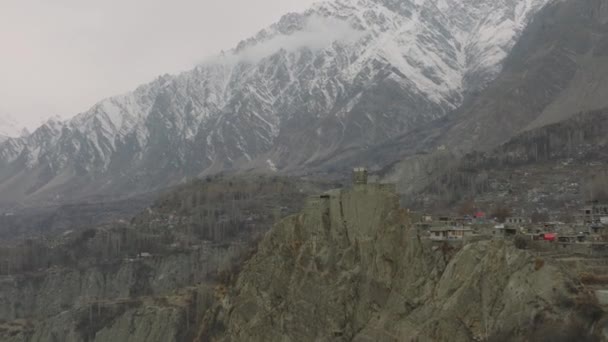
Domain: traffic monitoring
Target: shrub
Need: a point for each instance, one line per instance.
(538, 264)
(546, 331)
(501, 212)
(588, 307)
(593, 279)
(520, 242)
(562, 332)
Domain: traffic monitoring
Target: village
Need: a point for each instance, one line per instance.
(587, 234)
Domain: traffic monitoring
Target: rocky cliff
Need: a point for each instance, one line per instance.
(156, 299)
(351, 268)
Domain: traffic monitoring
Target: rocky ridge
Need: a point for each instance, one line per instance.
(351, 268)
(136, 301)
(9, 128)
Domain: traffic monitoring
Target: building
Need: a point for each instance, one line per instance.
(516, 220)
(549, 237)
(534, 236)
(594, 213)
(446, 221)
(480, 215)
(570, 238)
(360, 175)
(600, 209)
(504, 231)
(450, 233)
(599, 229)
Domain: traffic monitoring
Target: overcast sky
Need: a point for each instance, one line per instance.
(59, 57)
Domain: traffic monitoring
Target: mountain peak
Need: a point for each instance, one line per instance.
(9, 127)
(341, 76)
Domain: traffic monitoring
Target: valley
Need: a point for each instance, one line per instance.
(363, 170)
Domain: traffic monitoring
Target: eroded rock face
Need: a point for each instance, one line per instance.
(140, 300)
(56, 290)
(170, 318)
(144, 324)
(351, 268)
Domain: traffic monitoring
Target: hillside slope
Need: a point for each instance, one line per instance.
(555, 71)
(554, 169)
(8, 127)
(559, 68)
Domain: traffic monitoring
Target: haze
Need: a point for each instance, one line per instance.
(60, 57)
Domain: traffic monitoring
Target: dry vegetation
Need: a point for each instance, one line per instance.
(219, 210)
(539, 264)
(594, 279)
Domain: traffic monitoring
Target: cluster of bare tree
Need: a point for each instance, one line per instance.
(596, 188)
(215, 210)
(219, 209)
(26, 256)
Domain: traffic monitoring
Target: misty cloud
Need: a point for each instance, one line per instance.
(317, 34)
(60, 57)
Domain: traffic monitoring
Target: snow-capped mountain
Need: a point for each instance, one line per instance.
(342, 76)
(9, 128)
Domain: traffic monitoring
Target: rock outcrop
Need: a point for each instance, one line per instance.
(145, 324)
(47, 294)
(351, 268)
(148, 299)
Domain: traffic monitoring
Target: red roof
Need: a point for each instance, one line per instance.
(550, 236)
(480, 214)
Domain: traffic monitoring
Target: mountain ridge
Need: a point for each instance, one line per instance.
(9, 127)
(554, 72)
(392, 67)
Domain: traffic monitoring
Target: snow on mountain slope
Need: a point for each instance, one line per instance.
(9, 127)
(344, 75)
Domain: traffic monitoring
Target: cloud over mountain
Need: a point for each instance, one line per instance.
(317, 33)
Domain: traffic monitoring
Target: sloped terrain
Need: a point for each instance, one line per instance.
(554, 72)
(557, 69)
(51, 220)
(554, 168)
(8, 127)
